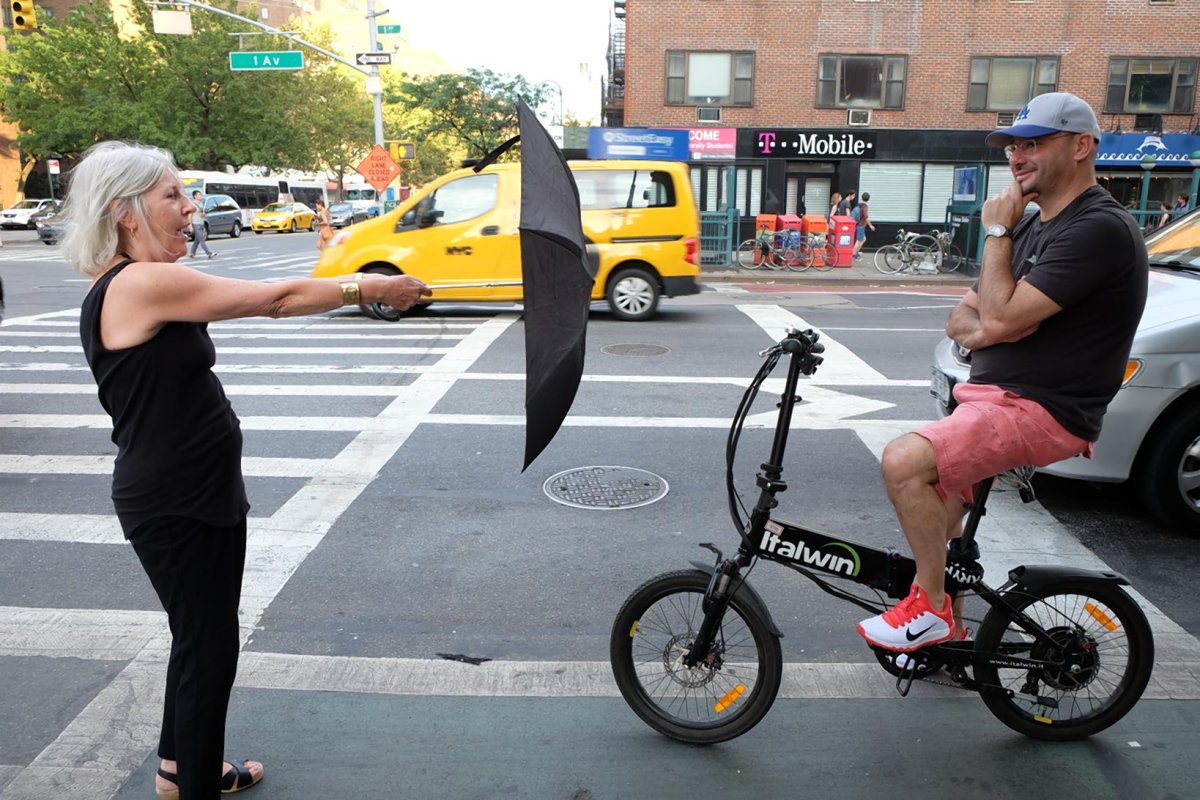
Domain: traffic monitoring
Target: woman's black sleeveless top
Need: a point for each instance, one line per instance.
(179, 444)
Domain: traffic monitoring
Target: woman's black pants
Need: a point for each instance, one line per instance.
(196, 569)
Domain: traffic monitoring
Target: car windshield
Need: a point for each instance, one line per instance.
(279, 208)
(26, 204)
(341, 207)
(1177, 245)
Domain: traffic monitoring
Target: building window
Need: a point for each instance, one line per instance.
(861, 81)
(1007, 84)
(1151, 85)
(710, 79)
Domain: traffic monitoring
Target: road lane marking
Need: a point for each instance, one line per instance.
(841, 364)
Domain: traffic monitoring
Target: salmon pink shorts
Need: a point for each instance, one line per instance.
(992, 430)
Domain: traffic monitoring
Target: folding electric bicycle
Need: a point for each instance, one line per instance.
(1061, 654)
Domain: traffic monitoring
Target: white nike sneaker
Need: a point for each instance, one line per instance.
(910, 625)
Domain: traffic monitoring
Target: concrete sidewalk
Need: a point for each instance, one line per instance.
(860, 273)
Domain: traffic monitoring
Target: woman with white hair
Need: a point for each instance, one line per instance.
(177, 480)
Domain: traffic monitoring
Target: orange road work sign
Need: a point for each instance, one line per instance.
(378, 168)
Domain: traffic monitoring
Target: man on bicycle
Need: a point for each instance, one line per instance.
(1049, 321)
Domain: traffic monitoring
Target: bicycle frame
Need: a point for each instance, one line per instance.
(813, 553)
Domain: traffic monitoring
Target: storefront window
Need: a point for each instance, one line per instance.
(1151, 85)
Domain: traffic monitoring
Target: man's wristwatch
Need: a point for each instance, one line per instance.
(999, 231)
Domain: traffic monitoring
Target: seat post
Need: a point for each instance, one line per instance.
(982, 490)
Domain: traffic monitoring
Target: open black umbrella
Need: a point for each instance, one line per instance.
(557, 275)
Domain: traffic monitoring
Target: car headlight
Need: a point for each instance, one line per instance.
(1132, 367)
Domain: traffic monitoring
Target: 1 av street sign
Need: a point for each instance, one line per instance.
(363, 59)
(267, 59)
(387, 29)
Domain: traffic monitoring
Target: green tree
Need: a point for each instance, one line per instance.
(477, 110)
(336, 123)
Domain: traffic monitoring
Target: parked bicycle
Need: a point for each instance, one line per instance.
(817, 252)
(770, 249)
(912, 252)
(1061, 654)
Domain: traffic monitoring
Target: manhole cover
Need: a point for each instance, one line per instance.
(634, 350)
(605, 488)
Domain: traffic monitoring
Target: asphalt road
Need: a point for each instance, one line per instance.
(392, 526)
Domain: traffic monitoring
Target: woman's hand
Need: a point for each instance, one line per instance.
(397, 291)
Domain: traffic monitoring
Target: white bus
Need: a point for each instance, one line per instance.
(362, 196)
(253, 194)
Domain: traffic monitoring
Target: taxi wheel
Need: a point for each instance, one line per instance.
(258, 233)
(236, 230)
(633, 295)
(381, 310)
(312, 225)
(292, 227)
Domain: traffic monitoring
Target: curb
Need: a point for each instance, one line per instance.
(832, 278)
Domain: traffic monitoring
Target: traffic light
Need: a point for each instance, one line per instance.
(23, 16)
(402, 151)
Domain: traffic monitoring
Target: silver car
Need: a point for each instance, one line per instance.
(1151, 433)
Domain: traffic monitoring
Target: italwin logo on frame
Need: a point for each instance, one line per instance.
(777, 143)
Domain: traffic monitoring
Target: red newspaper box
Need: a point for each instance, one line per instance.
(843, 239)
(790, 222)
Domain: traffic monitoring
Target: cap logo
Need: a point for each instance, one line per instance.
(1023, 115)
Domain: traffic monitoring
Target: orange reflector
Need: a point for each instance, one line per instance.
(1131, 368)
(1100, 616)
(633, 628)
(730, 698)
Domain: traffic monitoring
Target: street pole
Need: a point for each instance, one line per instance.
(374, 82)
(1195, 162)
(1147, 165)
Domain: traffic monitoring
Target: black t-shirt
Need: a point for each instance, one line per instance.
(1091, 260)
(179, 444)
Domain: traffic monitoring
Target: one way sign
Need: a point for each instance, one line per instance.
(363, 59)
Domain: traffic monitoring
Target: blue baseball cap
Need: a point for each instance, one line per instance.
(1046, 114)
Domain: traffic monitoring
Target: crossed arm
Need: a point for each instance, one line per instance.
(1003, 310)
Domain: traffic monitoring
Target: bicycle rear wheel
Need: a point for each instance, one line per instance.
(749, 254)
(1091, 676)
(824, 256)
(926, 253)
(951, 259)
(890, 259)
(726, 694)
(798, 258)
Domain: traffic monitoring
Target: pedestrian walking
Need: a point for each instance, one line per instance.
(177, 483)
(847, 202)
(199, 232)
(1181, 206)
(862, 217)
(1165, 216)
(1049, 324)
(833, 207)
(324, 228)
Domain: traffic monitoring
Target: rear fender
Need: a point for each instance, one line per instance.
(1026, 578)
(747, 593)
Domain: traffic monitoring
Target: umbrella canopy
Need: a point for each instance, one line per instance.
(558, 280)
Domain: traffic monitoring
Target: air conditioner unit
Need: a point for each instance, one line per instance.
(1005, 118)
(708, 114)
(1148, 122)
(859, 117)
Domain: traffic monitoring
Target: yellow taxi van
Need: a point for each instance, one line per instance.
(462, 229)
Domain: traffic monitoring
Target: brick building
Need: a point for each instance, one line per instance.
(887, 96)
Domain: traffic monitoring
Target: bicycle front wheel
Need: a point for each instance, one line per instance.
(1089, 678)
(726, 694)
(798, 259)
(889, 259)
(749, 254)
(926, 253)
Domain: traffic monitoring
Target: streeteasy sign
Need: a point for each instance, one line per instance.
(267, 59)
(638, 143)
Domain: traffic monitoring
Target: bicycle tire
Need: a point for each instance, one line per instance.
(824, 258)
(951, 259)
(926, 254)
(889, 259)
(1105, 641)
(724, 698)
(798, 258)
(749, 256)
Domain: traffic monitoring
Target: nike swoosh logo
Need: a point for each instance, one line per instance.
(912, 637)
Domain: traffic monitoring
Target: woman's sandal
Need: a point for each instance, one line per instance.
(235, 780)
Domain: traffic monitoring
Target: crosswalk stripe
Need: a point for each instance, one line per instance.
(103, 465)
